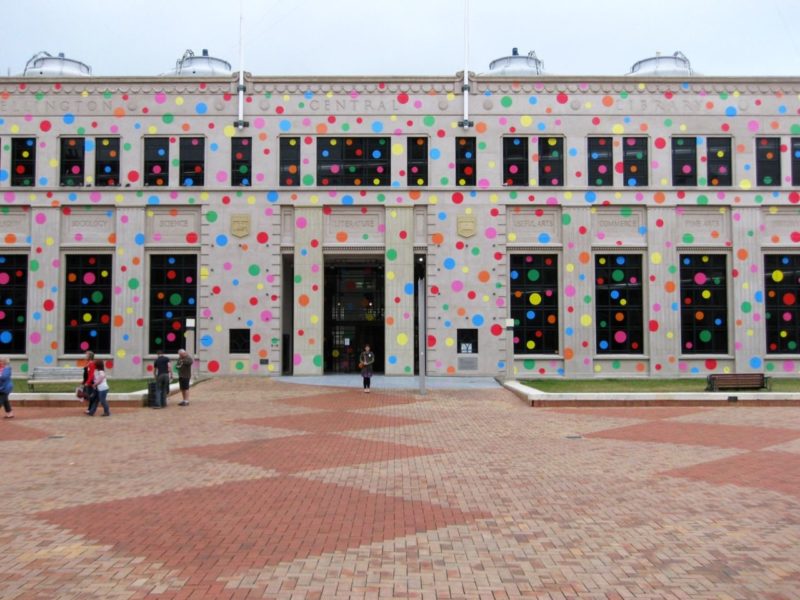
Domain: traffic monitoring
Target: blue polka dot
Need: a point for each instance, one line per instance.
(3, 174)
(153, 200)
(207, 341)
(222, 240)
(435, 154)
(544, 238)
(408, 288)
(377, 126)
(477, 320)
(285, 125)
(533, 100)
(272, 196)
(88, 144)
(69, 118)
(348, 199)
(392, 360)
(201, 108)
(449, 264)
(5, 337)
(730, 111)
(590, 197)
(48, 359)
(139, 239)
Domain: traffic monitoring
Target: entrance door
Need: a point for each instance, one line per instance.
(353, 313)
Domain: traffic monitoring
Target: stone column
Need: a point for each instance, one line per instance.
(309, 303)
(399, 292)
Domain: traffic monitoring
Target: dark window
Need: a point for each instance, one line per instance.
(795, 161)
(467, 340)
(620, 304)
(156, 161)
(534, 303)
(13, 302)
(23, 162)
(551, 161)
(106, 163)
(782, 284)
(87, 303)
(466, 161)
(239, 341)
(719, 161)
(768, 161)
(704, 304)
(192, 161)
(242, 161)
(684, 161)
(72, 161)
(173, 299)
(417, 161)
(634, 161)
(515, 161)
(601, 169)
(290, 161)
(353, 161)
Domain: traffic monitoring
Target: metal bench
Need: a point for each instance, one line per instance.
(55, 375)
(736, 381)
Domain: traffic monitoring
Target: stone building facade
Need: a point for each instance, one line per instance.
(629, 226)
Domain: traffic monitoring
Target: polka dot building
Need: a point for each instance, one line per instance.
(642, 225)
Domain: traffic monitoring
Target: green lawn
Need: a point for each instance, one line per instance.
(117, 386)
(588, 386)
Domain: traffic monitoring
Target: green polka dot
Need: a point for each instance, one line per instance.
(97, 296)
(254, 270)
(317, 360)
(616, 364)
(407, 369)
(746, 307)
(566, 219)
(175, 299)
(587, 299)
(391, 254)
(381, 197)
(308, 180)
(667, 122)
(506, 101)
(127, 146)
(39, 95)
(617, 275)
(770, 366)
(626, 211)
(795, 129)
(298, 278)
(429, 121)
(623, 95)
(702, 198)
(133, 284)
(81, 130)
(475, 251)
(534, 275)
(212, 216)
(34, 266)
(168, 118)
(705, 336)
(481, 145)
(239, 365)
(687, 238)
(529, 365)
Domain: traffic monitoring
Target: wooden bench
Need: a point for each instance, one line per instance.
(736, 381)
(55, 375)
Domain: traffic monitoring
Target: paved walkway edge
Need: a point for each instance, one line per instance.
(538, 398)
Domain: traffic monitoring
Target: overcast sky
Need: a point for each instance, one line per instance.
(405, 37)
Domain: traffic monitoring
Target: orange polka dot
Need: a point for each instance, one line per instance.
(569, 354)
(451, 370)
(742, 254)
(484, 276)
(584, 257)
(322, 128)
(461, 311)
(481, 127)
(112, 238)
(659, 197)
(303, 300)
(119, 320)
(669, 287)
(119, 112)
(608, 101)
(341, 236)
(437, 238)
(390, 320)
(415, 194)
(11, 238)
(229, 308)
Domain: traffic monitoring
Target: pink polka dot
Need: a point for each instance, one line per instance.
(491, 233)
(160, 98)
(301, 223)
(41, 218)
(222, 176)
(298, 359)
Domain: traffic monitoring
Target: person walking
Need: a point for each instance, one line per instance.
(161, 370)
(89, 391)
(365, 361)
(101, 390)
(184, 364)
(6, 386)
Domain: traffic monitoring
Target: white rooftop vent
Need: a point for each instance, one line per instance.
(516, 65)
(44, 64)
(191, 65)
(676, 65)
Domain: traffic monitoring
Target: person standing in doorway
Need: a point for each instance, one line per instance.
(184, 364)
(101, 390)
(161, 370)
(6, 386)
(365, 361)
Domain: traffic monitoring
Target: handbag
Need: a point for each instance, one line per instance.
(360, 365)
(79, 393)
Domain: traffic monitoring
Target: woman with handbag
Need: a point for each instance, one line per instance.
(101, 390)
(365, 362)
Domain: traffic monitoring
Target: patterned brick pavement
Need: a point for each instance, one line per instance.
(262, 489)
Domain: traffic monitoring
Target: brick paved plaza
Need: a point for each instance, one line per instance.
(266, 489)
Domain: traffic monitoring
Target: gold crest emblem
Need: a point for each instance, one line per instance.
(240, 225)
(467, 226)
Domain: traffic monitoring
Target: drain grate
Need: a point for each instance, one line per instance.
(574, 436)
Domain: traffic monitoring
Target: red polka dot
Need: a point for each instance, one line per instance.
(402, 98)
(562, 98)
(133, 176)
(191, 238)
(431, 341)
(262, 237)
(496, 329)
(213, 366)
(45, 125)
(49, 305)
(660, 143)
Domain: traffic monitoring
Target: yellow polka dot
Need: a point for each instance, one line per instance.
(586, 320)
(655, 258)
